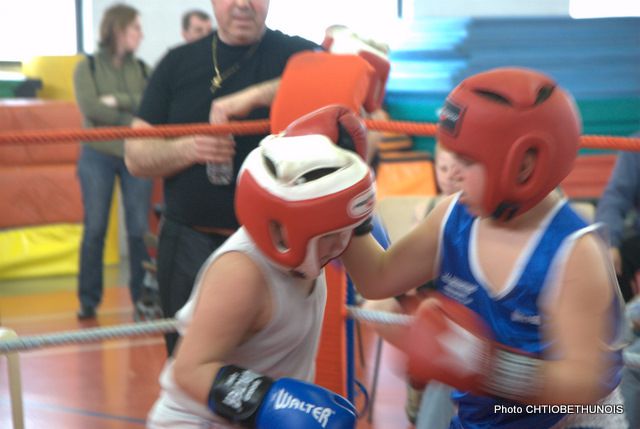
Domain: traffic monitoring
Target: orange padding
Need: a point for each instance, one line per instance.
(392, 142)
(589, 176)
(331, 369)
(39, 194)
(312, 80)
(405, 173)
(38, 183)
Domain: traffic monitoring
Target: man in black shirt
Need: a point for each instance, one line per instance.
(231, 74)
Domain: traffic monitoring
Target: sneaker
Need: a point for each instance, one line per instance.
(86, 313)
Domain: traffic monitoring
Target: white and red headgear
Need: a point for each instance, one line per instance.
(341, 40)
(307, 187)
(497, 116)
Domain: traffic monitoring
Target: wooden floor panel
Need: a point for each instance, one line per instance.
(112, 384)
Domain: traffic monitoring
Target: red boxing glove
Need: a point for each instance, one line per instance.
(337, 122)
(410, 304)
(450, 343)
(312, 80)
(341, 40)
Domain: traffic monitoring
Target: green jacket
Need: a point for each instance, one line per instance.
(126, 84)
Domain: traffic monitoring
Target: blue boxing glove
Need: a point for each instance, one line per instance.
(295, 404)
(252, 400)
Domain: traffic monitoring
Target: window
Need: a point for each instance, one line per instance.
(371, 18)
(602, 9)
(37, 27)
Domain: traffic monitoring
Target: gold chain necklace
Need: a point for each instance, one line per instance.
(219, 78)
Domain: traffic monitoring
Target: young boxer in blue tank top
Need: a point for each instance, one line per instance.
(527, 320)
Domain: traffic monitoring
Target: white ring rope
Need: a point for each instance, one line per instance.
(26, 343)
(380, 317)
(31, 342)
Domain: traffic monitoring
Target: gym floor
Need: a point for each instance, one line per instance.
(112, 384)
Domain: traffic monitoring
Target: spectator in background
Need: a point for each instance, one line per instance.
(232, 73)
(621, 202)
(630, 384)
(446, 180)
(195, 25)
(618, 208)
(108, 88)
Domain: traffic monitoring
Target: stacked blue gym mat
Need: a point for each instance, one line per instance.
(598, 60)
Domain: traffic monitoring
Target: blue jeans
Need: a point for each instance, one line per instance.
(630, 385)
(437, 408)
(97, 172)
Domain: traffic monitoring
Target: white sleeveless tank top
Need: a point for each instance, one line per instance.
(285, 347)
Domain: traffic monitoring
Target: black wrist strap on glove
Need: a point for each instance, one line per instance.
(237, 393)
(364, 228)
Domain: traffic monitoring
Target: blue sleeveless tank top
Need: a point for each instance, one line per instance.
(512, 315)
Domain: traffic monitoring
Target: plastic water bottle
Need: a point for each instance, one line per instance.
(220, 173)
(633, 311)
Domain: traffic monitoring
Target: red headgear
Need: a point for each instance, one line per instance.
(496, 117)
(306, 187)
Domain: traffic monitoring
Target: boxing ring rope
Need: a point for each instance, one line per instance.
(10, 344)
(255, 127)
(87, 335)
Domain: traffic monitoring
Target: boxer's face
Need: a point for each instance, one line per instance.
(471, 177)
(332, 245)
(240, 22)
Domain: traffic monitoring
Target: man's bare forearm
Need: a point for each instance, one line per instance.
(153, 157)
(156, 157)
(165, 157)
(239, 105)
(267, 91)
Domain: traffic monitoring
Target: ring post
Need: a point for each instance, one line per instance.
(15, 384)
